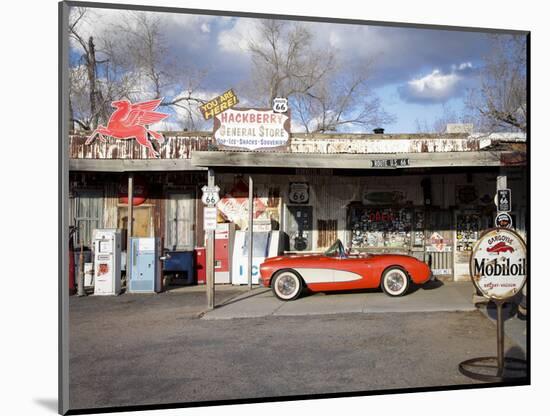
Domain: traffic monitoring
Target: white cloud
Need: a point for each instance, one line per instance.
(465, 65)
(236, 38)
(438, 86)
(435, 85)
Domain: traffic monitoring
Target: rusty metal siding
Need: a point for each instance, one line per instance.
(371, 144)
(110, 205)
(327, 232)
(181, 145)
(174, 147)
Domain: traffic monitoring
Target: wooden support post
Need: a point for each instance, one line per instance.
(210, 256)
(130, 227)
(250, 229)
(80, 287)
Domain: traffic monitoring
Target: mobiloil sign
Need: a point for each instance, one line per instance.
(498, 265)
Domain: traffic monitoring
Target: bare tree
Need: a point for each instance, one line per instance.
(142, 44)
(448, 116)
(501, 100)
(90, 63)
(325, 94)
(135, 64)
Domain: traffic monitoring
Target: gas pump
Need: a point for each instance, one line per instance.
(106, 244)
(144, 265)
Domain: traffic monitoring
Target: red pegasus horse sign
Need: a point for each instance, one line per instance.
(129, 121)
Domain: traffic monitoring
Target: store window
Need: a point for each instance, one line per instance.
(180, 220)
(87, 209)
(380, 227)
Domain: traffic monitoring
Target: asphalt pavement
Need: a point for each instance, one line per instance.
(431, 297)
(153, 349)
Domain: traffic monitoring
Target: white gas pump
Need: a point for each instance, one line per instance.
(265, 244)
(106, 244)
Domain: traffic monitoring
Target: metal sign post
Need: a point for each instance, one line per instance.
(250, 228)
(210, 198)
(503, 201)
(498, 270)
(129, 227)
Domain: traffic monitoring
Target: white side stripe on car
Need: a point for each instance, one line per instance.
(313, 275)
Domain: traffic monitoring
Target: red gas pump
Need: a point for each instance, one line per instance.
(200, 265)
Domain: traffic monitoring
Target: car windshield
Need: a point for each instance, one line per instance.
(336, 250)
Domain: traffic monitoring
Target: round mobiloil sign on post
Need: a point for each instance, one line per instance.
(498, 265)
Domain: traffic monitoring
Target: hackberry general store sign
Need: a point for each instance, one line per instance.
(251, 129)
(498, 265)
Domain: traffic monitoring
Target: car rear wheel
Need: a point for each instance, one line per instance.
(395, 282)
(286, 285)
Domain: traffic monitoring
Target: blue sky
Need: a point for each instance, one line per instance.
(415, 72)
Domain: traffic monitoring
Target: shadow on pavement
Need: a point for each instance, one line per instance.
(515, 369)
(509, 310)
(241, 297)
(413, 288)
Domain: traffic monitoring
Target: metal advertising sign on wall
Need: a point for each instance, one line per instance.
(438, 244)
(251, 129)
(132, 121)
(503, 220)
(298, 193)
(498, 265)
(504, 200)
(139, 192)
(219, 104)
(234, 205)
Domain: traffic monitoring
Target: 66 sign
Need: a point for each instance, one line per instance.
(280, 105)
(298, 193)
(210, 195)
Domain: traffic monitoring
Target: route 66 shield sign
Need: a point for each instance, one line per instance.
(210, 195)
(280, 105)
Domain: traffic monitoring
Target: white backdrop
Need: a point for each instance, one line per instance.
(29, 285)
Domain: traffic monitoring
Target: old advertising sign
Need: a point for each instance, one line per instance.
(438, 244)
(298, 193)
(234, 205)
(503, 220)
(498, 265)
(251, 129)
(132, 121)
(210, 195)
(219, 104)
(139, 193)
(504, 200)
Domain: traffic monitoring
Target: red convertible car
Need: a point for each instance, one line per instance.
(337, 270)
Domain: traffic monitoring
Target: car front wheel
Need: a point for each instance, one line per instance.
(286, 285)
(395, 282)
